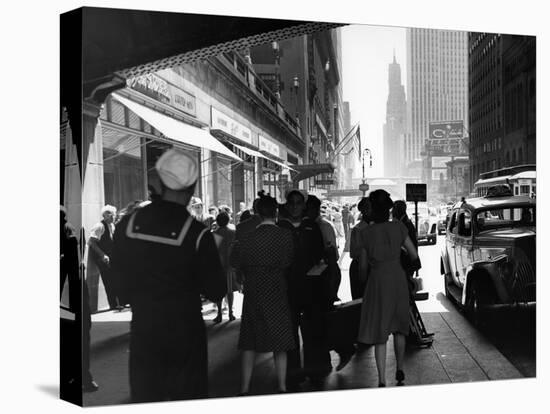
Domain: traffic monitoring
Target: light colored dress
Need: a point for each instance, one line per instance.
(385, 308)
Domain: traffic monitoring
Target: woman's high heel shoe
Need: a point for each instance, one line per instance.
(399, 377)
(381, 385)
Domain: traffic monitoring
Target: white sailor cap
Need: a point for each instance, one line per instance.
(177, 169)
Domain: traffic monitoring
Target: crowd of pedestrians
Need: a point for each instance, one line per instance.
(163, 257)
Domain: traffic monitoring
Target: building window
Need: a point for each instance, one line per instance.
(520, 156)
(524, 190)
(122, 168)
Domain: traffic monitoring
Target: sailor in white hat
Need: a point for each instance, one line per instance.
(165, 260)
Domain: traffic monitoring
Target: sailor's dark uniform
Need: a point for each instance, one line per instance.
(166, 260)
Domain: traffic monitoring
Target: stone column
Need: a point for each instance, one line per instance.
(93, 191)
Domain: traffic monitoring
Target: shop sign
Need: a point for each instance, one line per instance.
(269, 146)
(160, 90)
(230, 126)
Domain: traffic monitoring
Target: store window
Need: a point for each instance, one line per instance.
(223, 181)
(249, 194)
(122, 168)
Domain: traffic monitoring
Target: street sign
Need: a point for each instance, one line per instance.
(416, 192)
(364, 187)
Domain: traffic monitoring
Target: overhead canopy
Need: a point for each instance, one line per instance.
(311, 170)
(255, 153)
(177, 130)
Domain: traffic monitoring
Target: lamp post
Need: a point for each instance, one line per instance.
(365, 187)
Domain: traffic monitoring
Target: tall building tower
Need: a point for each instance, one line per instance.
(437, 90)
(394, 128)
(502, 102)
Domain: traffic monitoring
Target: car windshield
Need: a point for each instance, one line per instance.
(422, 210)
(506, 217)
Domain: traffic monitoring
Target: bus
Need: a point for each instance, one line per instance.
(521, 179)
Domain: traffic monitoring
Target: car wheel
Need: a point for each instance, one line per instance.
(473, 310)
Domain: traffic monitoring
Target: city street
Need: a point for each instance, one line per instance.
(460, 352)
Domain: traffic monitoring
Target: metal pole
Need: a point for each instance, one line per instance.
(416, 217)
(364, 192)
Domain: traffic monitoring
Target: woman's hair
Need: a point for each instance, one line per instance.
(222, 219)
(364, 208)
(381, 204)
(267, 206)
(245, 215)
(292, 192)
(399, 209)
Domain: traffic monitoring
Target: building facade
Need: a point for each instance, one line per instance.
(502, 91)
(395, 126)
(216, 109)
(305, 73)
(437, 91)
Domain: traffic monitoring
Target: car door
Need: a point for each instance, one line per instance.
(463, 249)
(450, 241)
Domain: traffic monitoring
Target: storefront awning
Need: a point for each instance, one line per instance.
(255, 153)
(310, 170)
(177, 130)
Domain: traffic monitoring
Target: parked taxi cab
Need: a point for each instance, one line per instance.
(489, 256)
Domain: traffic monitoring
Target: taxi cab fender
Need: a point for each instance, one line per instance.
(484, 278)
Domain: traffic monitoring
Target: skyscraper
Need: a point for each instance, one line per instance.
(502, 102)
(437, 90)
(394, 128)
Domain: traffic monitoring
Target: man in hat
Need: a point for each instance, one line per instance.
(166, 261)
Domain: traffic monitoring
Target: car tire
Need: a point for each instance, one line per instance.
(473, 311)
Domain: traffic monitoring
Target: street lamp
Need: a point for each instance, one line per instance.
(365, 187)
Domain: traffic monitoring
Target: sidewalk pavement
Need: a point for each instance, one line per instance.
(459, 353)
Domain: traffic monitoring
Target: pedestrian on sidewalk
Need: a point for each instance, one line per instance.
(242, 209)
(166, 260)
(244, 229)
(385, 308)
(266, 324)
(224, 238)
(100, 247)
(76, 363)
(307, 302)
(399, 213)
(358, 282)
(332, 278)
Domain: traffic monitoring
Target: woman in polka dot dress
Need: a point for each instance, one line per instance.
(266, 325)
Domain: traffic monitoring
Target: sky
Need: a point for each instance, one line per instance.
(366, 53)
